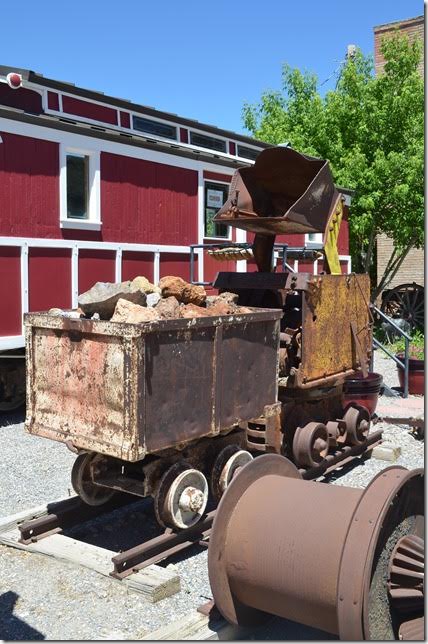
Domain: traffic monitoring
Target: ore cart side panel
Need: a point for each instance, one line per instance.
(80, 388)
(328, 346)
(179, 376)
(249, 370)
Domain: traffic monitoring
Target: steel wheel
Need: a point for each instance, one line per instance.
(82, 482)
(182, 497)
(310, 444)
(406, 302)
(226, 464)
(357, 420)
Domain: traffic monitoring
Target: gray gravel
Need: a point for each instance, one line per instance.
(41, 598)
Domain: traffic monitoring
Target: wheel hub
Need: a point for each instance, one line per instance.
(191, 500)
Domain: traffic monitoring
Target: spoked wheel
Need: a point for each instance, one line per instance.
(182, 497)
(82, 482)
(310, 444)
(357, 419)
(226, 464)
(406, 302)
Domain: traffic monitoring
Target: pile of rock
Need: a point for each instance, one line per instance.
(138, 300)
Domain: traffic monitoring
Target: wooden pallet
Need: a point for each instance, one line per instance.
(154, 582)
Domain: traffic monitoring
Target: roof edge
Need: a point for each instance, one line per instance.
(39, 79)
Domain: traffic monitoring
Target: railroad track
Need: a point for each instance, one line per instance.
(72, 512)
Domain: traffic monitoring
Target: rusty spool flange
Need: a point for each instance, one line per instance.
(309, 552)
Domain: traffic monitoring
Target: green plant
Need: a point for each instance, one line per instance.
(371, 129)
(416, 346)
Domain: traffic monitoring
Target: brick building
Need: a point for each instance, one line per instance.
(412, 269)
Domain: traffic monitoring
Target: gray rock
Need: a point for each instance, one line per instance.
(153, 299)
(103, 297)
(226, 297)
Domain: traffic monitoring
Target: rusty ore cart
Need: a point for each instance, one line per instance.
(153, 408)
(162, 408)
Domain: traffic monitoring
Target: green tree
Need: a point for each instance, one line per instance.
(371, 129)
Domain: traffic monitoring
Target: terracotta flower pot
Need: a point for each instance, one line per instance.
(363, 391)
(416, 375)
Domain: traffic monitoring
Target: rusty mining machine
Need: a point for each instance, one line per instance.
(172, 408)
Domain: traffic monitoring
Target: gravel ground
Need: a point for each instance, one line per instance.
(41, 598)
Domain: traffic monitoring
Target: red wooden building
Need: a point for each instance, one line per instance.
(96, 188)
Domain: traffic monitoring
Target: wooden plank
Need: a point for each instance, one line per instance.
(154, 582)
(196, 626)
(8, 522)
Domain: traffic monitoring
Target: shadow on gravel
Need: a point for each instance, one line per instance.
(284, 630)
(346, 468)
(120, 529)
(11, 627)
(12, 417)
(125, 528)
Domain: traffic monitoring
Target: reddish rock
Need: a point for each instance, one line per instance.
(222, 308)
(193, 311)
(130, 313)
(182, 291)
(168, 308)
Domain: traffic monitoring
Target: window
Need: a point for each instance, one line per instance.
(215, 196)
(205, 141)
(154, 127)
(314, 238)
(248, 153)
(79, 188)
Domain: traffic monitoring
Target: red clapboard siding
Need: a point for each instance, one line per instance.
(176, 264)
(95, 266)
(146, 202)
(134, 264)
(29, 187)
(22, 98)
(10, 291)
(89, 110)
(49, 278)
(216, 176)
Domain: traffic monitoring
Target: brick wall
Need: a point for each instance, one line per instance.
(412, 269)
(413, 28)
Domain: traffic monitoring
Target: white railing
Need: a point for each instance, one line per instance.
(17, 341)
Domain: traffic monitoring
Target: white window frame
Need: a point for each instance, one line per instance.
(229, 228)
(93, 222)
(317, 243)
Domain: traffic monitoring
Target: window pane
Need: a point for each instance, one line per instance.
(247, 153)
(315, 237)
(154, 127)
(215, 196)
(209, 142)
(77, 186)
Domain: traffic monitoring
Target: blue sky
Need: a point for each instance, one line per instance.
(198, 59)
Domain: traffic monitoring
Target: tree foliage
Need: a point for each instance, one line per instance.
(371, 129)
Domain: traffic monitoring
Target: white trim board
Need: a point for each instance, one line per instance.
(81, 141)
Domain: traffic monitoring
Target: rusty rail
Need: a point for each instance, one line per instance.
(159, 548)
(66, 514)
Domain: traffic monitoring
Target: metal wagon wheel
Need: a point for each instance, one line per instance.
(82, 482)
(406, 302)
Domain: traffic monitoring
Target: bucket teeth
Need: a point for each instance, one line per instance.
(406, 574)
